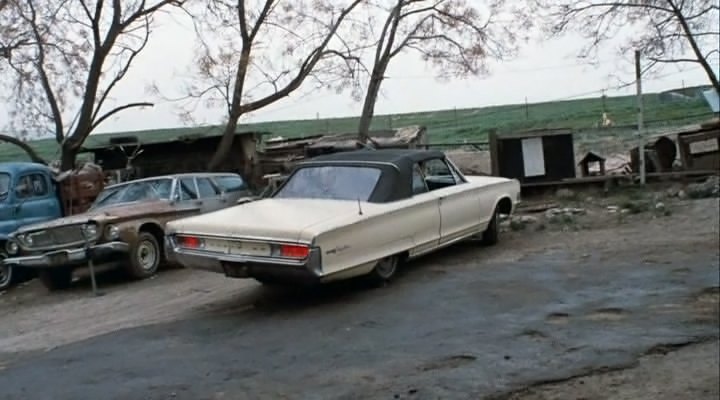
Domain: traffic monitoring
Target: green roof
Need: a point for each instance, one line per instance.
(150, 136)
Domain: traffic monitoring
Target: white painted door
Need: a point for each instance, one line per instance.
(533, 157)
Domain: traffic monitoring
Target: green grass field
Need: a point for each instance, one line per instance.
(447, 126)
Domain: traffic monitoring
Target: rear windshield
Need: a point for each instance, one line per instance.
(231, 183)
(331, 182)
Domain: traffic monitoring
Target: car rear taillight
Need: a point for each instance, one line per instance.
(189, 242)
(294, 251)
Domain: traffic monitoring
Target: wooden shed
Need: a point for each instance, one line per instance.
(533, 156)
(700, 148)
(588, 161)
(160, 152)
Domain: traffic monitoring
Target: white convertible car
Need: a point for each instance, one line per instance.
(343, 215)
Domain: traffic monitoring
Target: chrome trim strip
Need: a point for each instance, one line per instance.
(259, 239)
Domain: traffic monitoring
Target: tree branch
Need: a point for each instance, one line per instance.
(34, 156)
(117, 110)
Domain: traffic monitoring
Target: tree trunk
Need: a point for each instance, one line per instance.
(25, 147)
(225, 145)
(68, 158)
(368, 111)
(696, 50)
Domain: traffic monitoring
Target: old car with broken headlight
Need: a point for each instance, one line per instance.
(123, 228)
(346, 214)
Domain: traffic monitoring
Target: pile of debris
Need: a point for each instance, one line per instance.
(709, 188)
(79, 187)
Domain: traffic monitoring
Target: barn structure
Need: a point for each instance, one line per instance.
(160, 152)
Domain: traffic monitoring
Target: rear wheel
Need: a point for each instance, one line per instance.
(145, 256)
(6, 273)
(492, 233)
(384, 270)
(56, 278)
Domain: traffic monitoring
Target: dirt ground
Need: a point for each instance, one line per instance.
(687, 373)
(644, 224)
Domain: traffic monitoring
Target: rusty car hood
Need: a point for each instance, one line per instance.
(123, 211)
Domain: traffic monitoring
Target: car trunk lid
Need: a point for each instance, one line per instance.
(274, 219)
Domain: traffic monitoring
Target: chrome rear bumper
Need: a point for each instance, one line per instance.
(237, 266)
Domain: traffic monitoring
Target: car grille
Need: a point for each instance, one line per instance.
(59, 236)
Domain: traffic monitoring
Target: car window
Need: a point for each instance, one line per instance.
(187, 189)
(145, 190)
(438, 174)
(230, 183)
(331, 182)
(418, 181)
(33, 185)
(206, 188)
(4, 185)
(455, 172)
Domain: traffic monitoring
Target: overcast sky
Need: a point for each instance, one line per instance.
(541, 73)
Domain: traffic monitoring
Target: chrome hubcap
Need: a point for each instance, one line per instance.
(147, 255)
(386, 267)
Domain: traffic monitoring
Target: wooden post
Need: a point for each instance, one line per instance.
(494, 149)
(641, 122)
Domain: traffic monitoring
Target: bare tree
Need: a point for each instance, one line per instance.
(66, 58)
(456, 37)
(665, 31)
(254, 53)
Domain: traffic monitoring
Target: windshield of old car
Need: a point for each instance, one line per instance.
(4, 185)
(157, 189)
(331, 182)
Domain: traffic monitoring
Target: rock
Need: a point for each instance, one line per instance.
(528, 219)
(613, 209)
(517, 225)
(553, 212)
(624, 211)
(681, 194)
(709, 188)
(564, 193)
(638, 206)
(660, 206)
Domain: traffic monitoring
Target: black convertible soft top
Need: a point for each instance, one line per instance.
(396, 165)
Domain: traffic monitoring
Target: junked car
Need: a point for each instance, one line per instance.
(344, 215)
(124, 227)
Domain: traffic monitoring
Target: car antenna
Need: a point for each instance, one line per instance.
(359, 207)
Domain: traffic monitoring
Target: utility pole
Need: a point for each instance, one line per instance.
(527, 110)
(641, 122)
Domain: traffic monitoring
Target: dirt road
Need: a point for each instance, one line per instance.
(545, 305)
